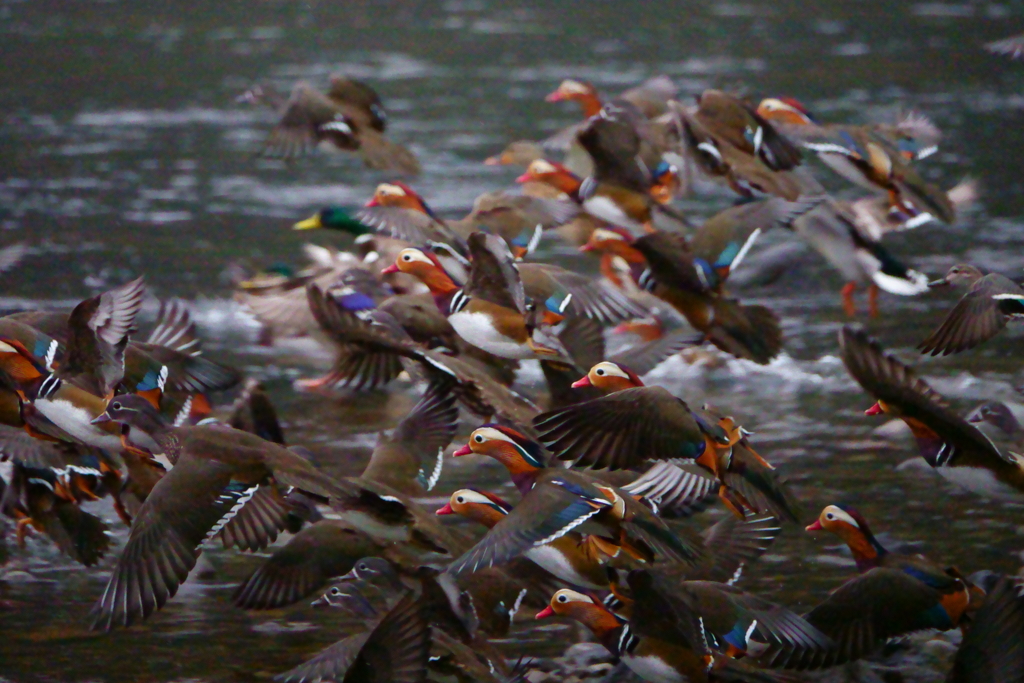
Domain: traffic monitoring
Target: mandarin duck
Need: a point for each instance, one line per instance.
(954, 447)
(47, 500)
(728, 139)
(399, 211)
(348, 117)
(990, 302)
(556, 501)
(398, 529)
(992, 651)
(374, 339)
(664, 264)
(746, 481)
(216, 471)
(581, 560)
(396, 649)
(520, 220)
(894, 594)
(866, 157)
(1000, 416)
(665, 642)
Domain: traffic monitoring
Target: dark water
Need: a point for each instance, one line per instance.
(122, 152)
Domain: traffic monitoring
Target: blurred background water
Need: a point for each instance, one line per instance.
(122, 152)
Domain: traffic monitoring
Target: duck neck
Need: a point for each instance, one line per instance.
(867, 551)
(590, 103)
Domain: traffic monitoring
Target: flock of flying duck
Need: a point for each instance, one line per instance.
(605, 474)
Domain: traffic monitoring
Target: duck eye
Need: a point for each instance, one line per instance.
(335, 591)
(830, 516)
(600, 372)
(116, 405)
(562, 598)
(407, 258)
(460, 499)
(478, 438)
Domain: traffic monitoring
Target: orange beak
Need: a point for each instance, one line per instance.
(465, 450)
(545, 613)
(393, 268)
(446, 510)
(814, 527)
(582, 382)
(874, 410)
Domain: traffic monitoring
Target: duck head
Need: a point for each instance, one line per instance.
(550, 173)
(613, 241)
(609, 377)
(426, 267)
(960, 274)
(519, 454)
(334, 218)
(849, 525)
(784, 110)
(572, 90)
(133, 412)
(585, 609)
(371, 569)
(480, 506)
(997, 415)
(398, 195)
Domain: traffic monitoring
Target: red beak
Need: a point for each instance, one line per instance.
(446, 510)
(874, 410)
(582, 382)
(545, 613)
(553, 97)
(393, 268)
(373, 202)
(465, 450)
(814, 527)
(525, 178)
(588, 247)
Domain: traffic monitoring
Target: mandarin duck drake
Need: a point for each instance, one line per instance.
(866, 157)
(47, 500)
(664, 264)
(894, 594)
(690, 631)
(582, 560)
(373, 339)
(348, 117)
(990, 302)
(399, 211)
(728, 139)
(216, 471)
(557, 501)
(993, 649)
(599, 433)
(954, 447)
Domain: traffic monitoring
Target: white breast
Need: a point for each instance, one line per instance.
(476, 328)
(981, 481)
(652, 669)
(76, 422)
(607, 210)
(550, 559)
